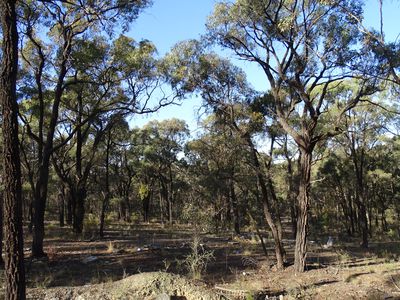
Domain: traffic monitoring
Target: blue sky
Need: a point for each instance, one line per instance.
(167, 22)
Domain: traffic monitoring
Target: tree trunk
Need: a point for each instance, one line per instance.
(106, 199)
(127, 208)
(79, 212)
(300, 251)
(38, 215)
(234, 208)
(61, 196)
(360, 198)
(351, 214)
(164, 197)
(161, 204)
(170, 197)
(370, 216)
(279, 250)
(70, 205)
(146, 209)
(14, 248)
(1, 228)
(363, 222)
(30, 225)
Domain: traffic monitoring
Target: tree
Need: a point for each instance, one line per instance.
(14, 252)
(304, 48)
(163, 141)
(225, 91)
(68, 22)
(119, 126)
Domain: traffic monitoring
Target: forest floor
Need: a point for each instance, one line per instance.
(144, 261)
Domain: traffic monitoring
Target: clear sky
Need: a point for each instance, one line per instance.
(167, 22)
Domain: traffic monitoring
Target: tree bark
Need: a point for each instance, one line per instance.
(106, 198)
(1, 228)
(300, 252)
(146, 209)
(234, 207)
(14, 252)
(279, 250)
(69, 204)
(39, 207)
(170, 196)
(79, 211)
(60, 198)
(42, 182)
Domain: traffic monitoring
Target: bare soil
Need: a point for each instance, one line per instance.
(144, 261)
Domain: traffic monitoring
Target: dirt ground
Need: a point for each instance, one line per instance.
(145, 262)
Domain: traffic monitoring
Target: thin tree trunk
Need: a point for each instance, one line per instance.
(146, 209)
(279, 250)
(61, 196)
(164, 196)
(106, 198)
(161, 204)
(363, 222)
(235, 208)
(14, 251)
(70, 205)
(300, 252)
(170, 197)
(351, 214)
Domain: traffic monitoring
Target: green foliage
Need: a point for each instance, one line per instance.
(143, 191)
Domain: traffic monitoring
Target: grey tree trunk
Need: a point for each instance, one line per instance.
(300, 252)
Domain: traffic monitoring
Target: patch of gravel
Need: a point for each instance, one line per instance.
(146, 286)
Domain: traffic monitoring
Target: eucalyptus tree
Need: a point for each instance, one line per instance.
(366, 126)
(48, 69)
(304, 48)
(123, 168)
(215, 161)
(115, 135)
(225, 91)
(11, 178)
(386, 63)
(163, 141)
(101, 98)
(358, 177)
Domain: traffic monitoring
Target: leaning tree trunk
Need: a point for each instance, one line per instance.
(300, 251)
(279, 250)
(14, 251)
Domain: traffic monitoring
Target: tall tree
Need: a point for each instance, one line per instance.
(225, 91)
(67, 23)
(304, 49)
(14, 252)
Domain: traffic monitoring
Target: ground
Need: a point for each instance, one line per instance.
(144, 261)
